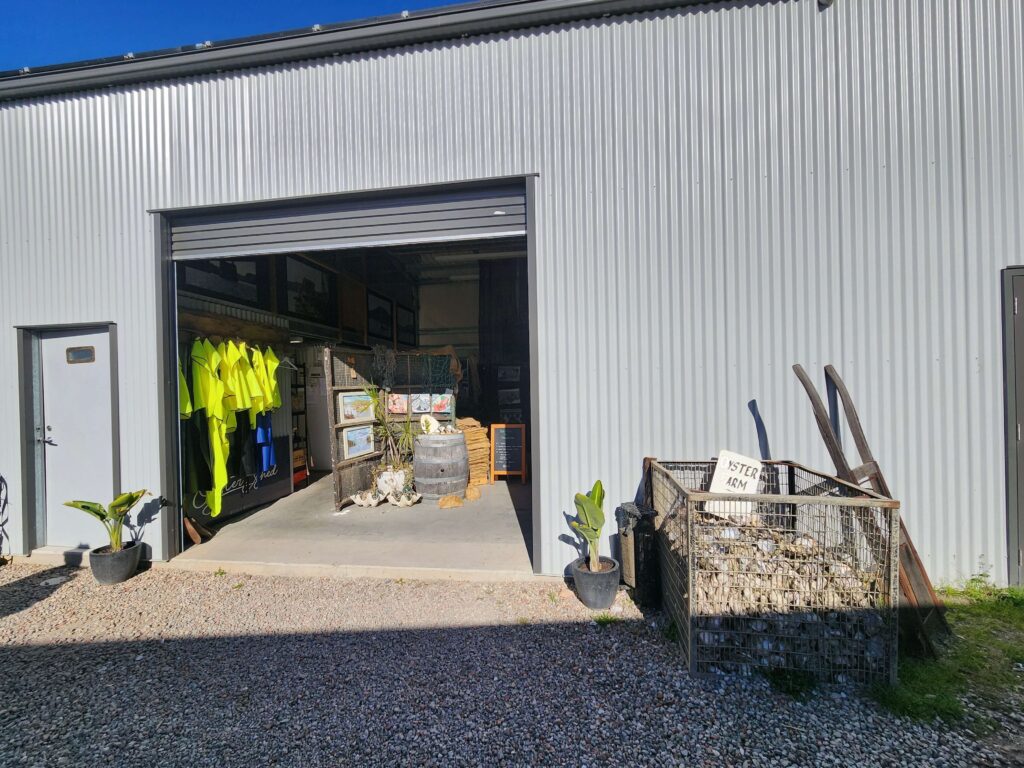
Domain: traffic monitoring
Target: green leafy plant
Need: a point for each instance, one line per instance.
(590, 520)
(112, 516)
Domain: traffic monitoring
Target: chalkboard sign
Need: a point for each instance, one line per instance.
(508, 450)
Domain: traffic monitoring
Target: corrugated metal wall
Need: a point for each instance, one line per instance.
(723, 190)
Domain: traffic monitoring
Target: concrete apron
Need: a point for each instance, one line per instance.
(303, 535)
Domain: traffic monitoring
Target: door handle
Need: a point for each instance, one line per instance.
(45, 440)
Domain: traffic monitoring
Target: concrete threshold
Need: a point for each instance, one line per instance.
(341, 571)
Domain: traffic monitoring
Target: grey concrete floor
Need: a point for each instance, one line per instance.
(486, 539)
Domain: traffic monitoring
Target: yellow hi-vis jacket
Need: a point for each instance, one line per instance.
(184, 400)
(271, 361)
(208, 395)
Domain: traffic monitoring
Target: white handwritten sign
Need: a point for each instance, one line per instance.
(734, 473)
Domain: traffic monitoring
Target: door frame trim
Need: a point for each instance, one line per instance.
(167, 357)
(30, 393)
(1014, 542)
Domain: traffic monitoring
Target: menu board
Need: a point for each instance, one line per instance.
(508, 450)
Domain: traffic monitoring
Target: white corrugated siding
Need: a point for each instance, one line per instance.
(723, 191)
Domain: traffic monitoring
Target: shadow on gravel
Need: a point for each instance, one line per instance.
(509, 695)
(18, 595)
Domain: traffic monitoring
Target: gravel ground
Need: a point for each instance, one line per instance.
(200, 669)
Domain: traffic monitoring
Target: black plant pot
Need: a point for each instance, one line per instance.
(114, 567)
(596, 590)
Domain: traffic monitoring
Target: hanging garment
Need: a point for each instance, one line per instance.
(195, 456)
(195, 442)
(208, 395)
(242, 461)
(184, 399)
(261, 402)
(252, 385)
(265, 443)
(231, 377)
(271, 361)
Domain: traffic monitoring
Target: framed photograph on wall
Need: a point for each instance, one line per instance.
(508, 374)
(307, 290)
(508, 397)
(357, 441)
(380, 319)
(405, 326)
(354, 408)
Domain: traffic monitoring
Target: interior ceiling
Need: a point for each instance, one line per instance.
(434, 262)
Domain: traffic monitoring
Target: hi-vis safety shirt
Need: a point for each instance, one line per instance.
(271, 361)
(208, 395)
(236, 391)
(266, 398)
(184, 400)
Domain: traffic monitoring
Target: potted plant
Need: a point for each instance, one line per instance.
(114, 562)
(596, 578)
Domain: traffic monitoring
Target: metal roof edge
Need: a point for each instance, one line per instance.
(431, 25)
(456, 185)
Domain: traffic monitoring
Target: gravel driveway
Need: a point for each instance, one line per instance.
(177, 668)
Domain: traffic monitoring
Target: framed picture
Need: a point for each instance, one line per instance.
(441, 403)
(508, 374)
(420, 403)
(245, 281)
(508, 397)
(354, 407)
(352, 298)
(358, 441)
(398, 403)
(405, 326)
(307, 291)
(380, 319)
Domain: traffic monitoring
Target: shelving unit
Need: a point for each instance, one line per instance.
(300, 448)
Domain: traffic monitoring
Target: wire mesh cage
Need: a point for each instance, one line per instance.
(802, 576)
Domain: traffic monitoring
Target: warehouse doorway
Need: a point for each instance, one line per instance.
(1013, 333)
(70, 428)
(430, 272)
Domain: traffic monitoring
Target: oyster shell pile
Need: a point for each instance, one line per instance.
(764, 596)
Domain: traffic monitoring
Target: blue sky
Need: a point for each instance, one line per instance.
(38, 32)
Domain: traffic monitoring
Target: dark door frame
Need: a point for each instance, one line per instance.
(1014, 534)
(167, 357)
(30, 395)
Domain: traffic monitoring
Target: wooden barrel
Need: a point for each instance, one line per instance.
(440, 465)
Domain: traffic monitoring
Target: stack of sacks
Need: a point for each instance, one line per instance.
(479, 447)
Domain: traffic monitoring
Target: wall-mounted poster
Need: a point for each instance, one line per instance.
(358, 441)
(441, 403)
(380, 321)
(398, 403)
(508, 374)
(420, 403)
(508, 397)
(354, 407)
(405, 326)
(307, 291)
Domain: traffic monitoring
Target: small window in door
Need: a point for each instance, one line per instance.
(80, 355)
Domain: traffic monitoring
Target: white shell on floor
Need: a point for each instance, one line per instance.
(391, 481)
(405, 500)
(367, 499)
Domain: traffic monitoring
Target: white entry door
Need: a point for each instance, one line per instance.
(77, 432)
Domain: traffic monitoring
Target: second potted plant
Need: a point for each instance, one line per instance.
(596, 578)
(113, 562)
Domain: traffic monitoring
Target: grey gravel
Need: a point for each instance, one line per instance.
(176, 668)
